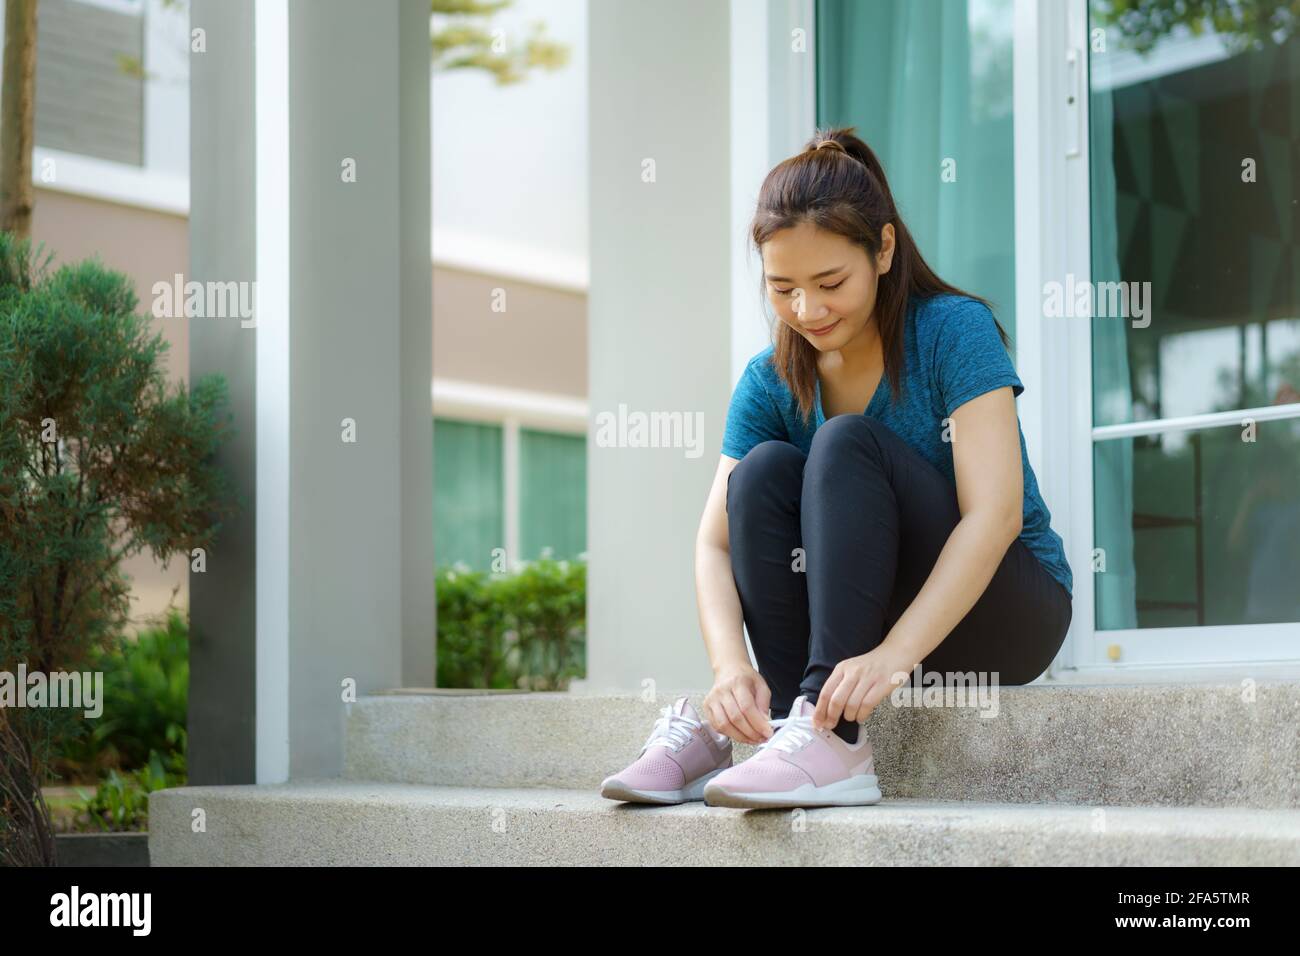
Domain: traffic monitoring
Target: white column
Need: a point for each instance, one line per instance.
(341, 435)
(674, 308)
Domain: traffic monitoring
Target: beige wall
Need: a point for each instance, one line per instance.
(148, 246)
(538, 344)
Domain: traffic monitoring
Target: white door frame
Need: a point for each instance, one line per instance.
(1051, 175)
(1054, 356)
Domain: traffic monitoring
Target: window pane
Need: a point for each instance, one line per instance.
(1199, 527)
(87, 101)
(552, 493)
(1196, 194)
(927, 83)
(468, 498)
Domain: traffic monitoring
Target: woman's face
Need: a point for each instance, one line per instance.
(822, 285)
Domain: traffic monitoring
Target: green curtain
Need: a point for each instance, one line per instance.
(468, 482)
(552, 493)
(926, 81)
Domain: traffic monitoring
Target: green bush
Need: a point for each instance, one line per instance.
(121, 802)
(101, 458)
(525, 629)
(146, 700)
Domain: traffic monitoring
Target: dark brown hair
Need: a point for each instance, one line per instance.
(841, 187)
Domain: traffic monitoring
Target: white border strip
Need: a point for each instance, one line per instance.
(144, 188)
(1159, 426)
(1236, 644)
(107, 181)
(135, 7)
(510, 489)
(510, 260)
(271, 66)
(457, 399)
(1213, 671)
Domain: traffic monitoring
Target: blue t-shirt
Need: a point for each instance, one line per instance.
(952, 353)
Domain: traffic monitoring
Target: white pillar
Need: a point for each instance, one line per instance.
(674, 310)
(340, 169)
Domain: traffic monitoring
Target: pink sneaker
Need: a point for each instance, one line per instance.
(799, 766)
(680, 756)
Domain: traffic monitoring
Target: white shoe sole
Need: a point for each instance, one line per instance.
(862, 790)
(615, 790)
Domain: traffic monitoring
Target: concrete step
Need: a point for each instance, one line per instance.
(1213, 744)
(348, 822)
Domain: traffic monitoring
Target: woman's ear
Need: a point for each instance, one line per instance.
(885, 258)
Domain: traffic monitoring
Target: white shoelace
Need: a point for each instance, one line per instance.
(794, 733)
(672, 729)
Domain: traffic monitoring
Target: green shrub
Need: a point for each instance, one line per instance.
(525, 629)
(146, 700)
(101, 458)
(121, 802)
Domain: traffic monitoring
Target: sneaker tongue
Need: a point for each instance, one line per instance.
(801, 707)
(682, 707)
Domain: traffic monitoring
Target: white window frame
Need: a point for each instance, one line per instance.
(1056, 386)
(117, 6)
(1054, 358)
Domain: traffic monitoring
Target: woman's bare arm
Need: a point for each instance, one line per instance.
(738, 703)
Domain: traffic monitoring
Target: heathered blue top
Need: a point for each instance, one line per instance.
(952, 353)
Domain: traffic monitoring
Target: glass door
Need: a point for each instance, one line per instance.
(1194, 218)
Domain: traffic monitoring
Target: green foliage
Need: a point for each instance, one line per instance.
(146, 701)
(100, 458)
(526, 629)
(1242, 24)
(121, 802)
(462, 38)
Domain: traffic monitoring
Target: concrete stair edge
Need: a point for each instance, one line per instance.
(348, 822)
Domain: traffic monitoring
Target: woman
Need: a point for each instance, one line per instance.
(873, 508)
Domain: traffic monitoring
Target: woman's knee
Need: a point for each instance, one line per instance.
(847, 434)
(768, 466)
(843, 447)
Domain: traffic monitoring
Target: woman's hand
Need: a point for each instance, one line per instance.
(738, 703)
(858, 684)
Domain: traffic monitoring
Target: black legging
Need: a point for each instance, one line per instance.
(872, 516)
